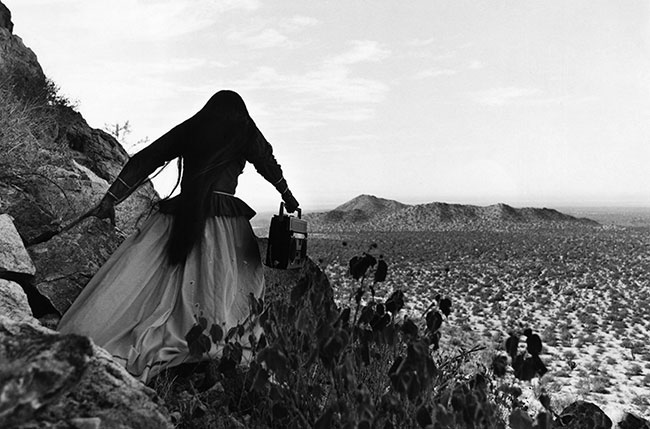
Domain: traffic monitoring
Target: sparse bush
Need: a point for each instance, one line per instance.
(562, 373)
(569, 355)
(634, 370)
(601, 384)
(593, 366)
(640, 401)
(323, 366)
(550, 337)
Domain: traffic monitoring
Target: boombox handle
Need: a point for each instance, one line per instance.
(299, 210)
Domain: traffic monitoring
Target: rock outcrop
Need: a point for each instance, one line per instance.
(14, 55)
(50, 380)
(5, 18)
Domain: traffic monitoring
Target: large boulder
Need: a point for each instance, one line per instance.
(31, 218)
(583, 415)
(48, 380)
(51, 196)
(69, 260)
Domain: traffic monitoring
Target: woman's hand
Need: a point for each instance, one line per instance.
(104, 210)
(290, 203)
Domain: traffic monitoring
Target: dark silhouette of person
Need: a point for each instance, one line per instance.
(195, 257)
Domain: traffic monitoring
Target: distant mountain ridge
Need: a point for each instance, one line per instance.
(371, 213)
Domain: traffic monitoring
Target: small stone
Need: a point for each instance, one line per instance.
(175, 417)
(13, 302)
(235, 424)
(14, 259)
(630, 421)
(86, 422)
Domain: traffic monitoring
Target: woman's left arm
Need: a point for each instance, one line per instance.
(260, 154)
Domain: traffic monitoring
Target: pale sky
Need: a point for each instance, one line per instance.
(530, 103)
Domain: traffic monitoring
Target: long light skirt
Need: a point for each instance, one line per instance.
(139, 308)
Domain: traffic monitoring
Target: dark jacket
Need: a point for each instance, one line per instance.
(218, 172)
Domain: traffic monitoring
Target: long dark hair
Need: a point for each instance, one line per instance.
(222, 123)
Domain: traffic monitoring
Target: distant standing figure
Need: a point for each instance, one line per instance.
(196, 254)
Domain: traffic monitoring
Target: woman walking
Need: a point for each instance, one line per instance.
(196, 256)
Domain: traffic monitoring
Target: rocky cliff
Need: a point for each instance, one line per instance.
(54, 168)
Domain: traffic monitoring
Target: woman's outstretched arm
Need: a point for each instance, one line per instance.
(139, 167)
(260, 154)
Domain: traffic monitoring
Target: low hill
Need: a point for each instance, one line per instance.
(362, 208)
(371, 204)
(370, 213)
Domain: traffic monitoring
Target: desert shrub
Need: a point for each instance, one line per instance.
(593, 366)
(601, 384)
(318, 365)
(566, 336)
(640, 401)
(569, 355)
(563, 373)
(634, 369)
(550, 336)
(367, 367)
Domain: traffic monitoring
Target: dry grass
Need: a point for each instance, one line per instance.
(28, 124)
